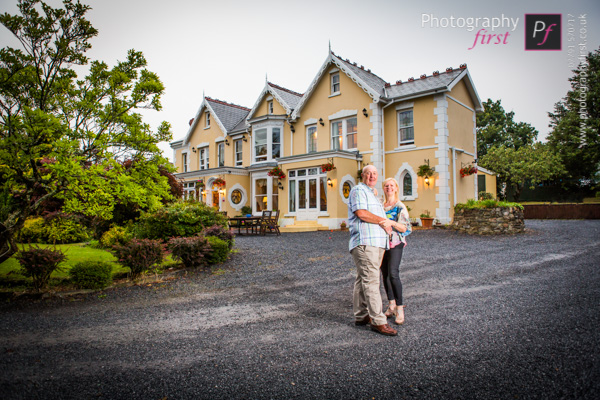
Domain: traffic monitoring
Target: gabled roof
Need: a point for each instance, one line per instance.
(227, 115)
(364, 78)
(286, 97)
(436, 83)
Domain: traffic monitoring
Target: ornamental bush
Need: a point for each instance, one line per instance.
(472, 204)
(91, 274)
(220, 232)
(32, 231)
(117, 235)
(38, 264)
(193, 252)
(139, 255)
(219, 250)
(64, 229)
(181, 219)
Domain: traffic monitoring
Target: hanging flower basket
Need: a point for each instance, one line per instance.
(276, 172)
(200, 183)
(327, 167)
(219, 182)
(468, 170)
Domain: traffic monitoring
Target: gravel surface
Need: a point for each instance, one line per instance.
(510, 317)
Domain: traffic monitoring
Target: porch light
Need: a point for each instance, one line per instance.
(427, 181)
(292, 128)
(365, 113)
(279, 185)
(321, 121)
(329, 182)
(194, 149)
(227, 142)
(244, 138)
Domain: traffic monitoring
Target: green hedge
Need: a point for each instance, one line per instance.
(474, 204)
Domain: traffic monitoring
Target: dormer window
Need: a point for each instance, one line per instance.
(335, 83)
(270, 107)
(207, 114)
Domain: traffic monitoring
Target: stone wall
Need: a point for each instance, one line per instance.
(489, 221)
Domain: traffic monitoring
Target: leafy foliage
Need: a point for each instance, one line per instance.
(575, 124)
(219, 250)
(38, 264)
(178, 219)
(139, 255)
(221, 232)
(527, 165)
(117, 235)
(496, 127)
(32, 231)
(193, 251)
(66, 138)
(425, 171)
(91, 274)
(488, 203)
(59, 229)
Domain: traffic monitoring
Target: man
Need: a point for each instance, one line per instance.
(368, 241)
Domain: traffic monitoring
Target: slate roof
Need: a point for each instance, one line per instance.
(290, 97)
(441, 81)
(229, 114)
(370, 79)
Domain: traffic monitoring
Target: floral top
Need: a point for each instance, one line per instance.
(399, 213)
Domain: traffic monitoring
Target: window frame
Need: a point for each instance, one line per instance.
(344, 133)
(403, 127)
(270, 107)
(203, 163)
(239, 151)
(333, 83)
(221, 154)
(207, 119)
(184, 162)
(309, 148)
(269, 128)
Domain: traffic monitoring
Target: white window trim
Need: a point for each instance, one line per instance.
(206, 163)
(239, 187)
(237, 162)
(407, 169)
(332, 84)
(344, 132)
(255, 177)
(346, 178)
(207, 119)
(270, 107)
(320, 175)
(269, 127)
(220, 153)
(185, 161)
(406, 142)
(308, 139)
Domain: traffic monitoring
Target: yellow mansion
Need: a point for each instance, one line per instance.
(233, 156)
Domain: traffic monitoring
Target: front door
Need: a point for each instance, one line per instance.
(309, 192)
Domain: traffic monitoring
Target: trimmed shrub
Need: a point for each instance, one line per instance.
(139, 255)
(32, 231)
(182, 219)
(219, 250)
(486, 196)
(38, 264)
(220, 232)
(63, 229)
(192, 251)
(117, 235)
(91, 274)
(474, 204)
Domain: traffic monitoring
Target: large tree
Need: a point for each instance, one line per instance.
(575, 124)
(69, 139)
(531, 164)
(496, 127)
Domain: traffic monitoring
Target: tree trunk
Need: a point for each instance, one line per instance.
(8, 246)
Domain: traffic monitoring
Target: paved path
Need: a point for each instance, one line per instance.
(513, 317)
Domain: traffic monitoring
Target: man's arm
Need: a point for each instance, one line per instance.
(371, 218)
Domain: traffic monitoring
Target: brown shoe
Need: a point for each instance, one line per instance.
(384, 329)
(361, 322)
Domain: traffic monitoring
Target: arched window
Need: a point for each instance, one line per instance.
(407, 189)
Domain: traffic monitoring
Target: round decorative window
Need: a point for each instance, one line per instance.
(346, 189)
(236, 196)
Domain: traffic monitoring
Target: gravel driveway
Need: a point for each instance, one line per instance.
(511, 317)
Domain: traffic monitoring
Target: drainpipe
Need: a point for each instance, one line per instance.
(454, 173)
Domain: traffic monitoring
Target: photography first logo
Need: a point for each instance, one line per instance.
(543, 32)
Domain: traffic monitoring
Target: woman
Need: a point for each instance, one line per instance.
(390, 266)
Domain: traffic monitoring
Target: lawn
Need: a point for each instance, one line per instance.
(9, 269)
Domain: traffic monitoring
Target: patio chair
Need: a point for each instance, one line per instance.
(270, 223)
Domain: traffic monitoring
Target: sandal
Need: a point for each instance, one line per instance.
(399, 313)
(389, 312)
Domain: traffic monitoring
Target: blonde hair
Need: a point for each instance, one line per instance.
(397, 188)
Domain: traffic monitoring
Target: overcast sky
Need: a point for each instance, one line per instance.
(225, 48)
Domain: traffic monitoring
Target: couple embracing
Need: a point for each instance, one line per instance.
(377, 234)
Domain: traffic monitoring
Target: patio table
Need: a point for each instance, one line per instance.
(248, 222)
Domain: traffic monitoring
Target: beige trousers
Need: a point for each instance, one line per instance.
(367, 297)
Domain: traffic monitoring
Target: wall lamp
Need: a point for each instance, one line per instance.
(321, 121)
(194, 149)
(244, 138)
(227, 142)
(427, 181)
(279, 185)
(292, 128)
(365, 113)
(329, 182)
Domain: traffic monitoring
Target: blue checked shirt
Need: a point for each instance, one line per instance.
(364, 233)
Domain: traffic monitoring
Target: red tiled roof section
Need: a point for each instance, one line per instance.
(226, 103)
(285, 90)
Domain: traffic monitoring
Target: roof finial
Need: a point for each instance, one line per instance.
(266, 78)
(329, 45)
